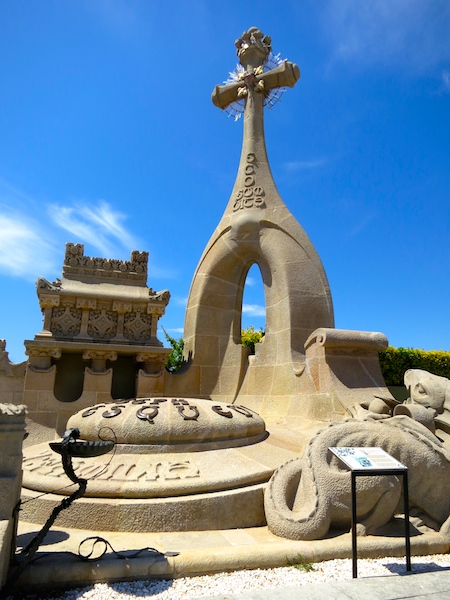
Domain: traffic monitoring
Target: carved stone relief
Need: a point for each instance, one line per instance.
(102, 324)
(251, 195)
(137, 326)
(65, 322)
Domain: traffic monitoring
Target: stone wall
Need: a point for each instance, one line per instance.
(12, 431)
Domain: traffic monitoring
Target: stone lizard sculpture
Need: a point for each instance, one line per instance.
(307, 496)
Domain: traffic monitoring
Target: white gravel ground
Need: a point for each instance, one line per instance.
(245, 581)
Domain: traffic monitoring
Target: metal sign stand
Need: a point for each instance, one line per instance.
(397, 472)
(372, 461)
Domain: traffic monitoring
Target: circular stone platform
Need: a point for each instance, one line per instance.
(177, 463)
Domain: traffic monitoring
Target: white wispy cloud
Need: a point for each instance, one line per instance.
(98, 225)
(24, 249)
(446, 80)
(362, 224)
(254, 310)
(304, 165)
(181, 301)
(409, 33)
(176, 329)
(33, 234)
(251, 281)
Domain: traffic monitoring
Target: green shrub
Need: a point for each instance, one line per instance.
(395, 361)
(250, 337)
(175, 358)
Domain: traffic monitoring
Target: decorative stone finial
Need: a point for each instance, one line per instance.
(253, 48)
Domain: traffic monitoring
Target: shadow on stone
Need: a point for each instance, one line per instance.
(400, 569)
(52, 537)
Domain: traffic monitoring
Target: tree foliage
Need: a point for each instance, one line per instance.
(250, 337)
(175, 358)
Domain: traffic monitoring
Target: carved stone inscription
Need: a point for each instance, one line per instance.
(251, 195)
(49, 464)
(149, 409)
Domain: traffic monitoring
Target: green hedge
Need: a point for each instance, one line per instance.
(395, 361)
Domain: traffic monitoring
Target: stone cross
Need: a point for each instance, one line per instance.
(253, 48)
(254, 86)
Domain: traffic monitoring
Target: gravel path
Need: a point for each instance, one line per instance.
(245, 581)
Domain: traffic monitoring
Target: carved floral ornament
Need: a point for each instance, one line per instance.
(43, 352)
(256, 40)
(66, 321)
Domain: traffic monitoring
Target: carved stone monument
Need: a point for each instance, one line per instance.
(231, 439)
(305, 369)
(98, 340)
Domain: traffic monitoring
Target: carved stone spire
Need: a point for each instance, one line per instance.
(254, 85)
(256, 228)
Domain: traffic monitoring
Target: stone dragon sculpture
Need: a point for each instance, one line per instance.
(307, 496)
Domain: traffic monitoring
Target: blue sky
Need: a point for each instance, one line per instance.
(108, 137)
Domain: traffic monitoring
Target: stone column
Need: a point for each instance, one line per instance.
(86, 305)
(121, 308)
(47, 304)
(150, 379)
(12, 433)
(41, 358)
(99, 358)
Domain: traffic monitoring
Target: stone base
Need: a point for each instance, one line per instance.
(200, 553)
(231, 509)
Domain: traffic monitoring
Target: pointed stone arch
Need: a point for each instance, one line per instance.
(296, 290)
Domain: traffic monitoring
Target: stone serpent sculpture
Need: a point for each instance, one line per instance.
(307, 496)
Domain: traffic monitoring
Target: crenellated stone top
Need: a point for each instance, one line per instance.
(101, 300)
(78, 266)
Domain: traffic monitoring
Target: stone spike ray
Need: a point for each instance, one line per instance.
(256, 227)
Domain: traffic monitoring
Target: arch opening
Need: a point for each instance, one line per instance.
(253, 303)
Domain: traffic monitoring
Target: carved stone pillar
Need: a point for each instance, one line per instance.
(154, 326)
(152, 363)
(99, 358)
(121, 308)
(86, 305)
(12, 432)
(47, 304)
(41, 358)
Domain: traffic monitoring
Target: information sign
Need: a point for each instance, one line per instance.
(367, 459)
(368, 462)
